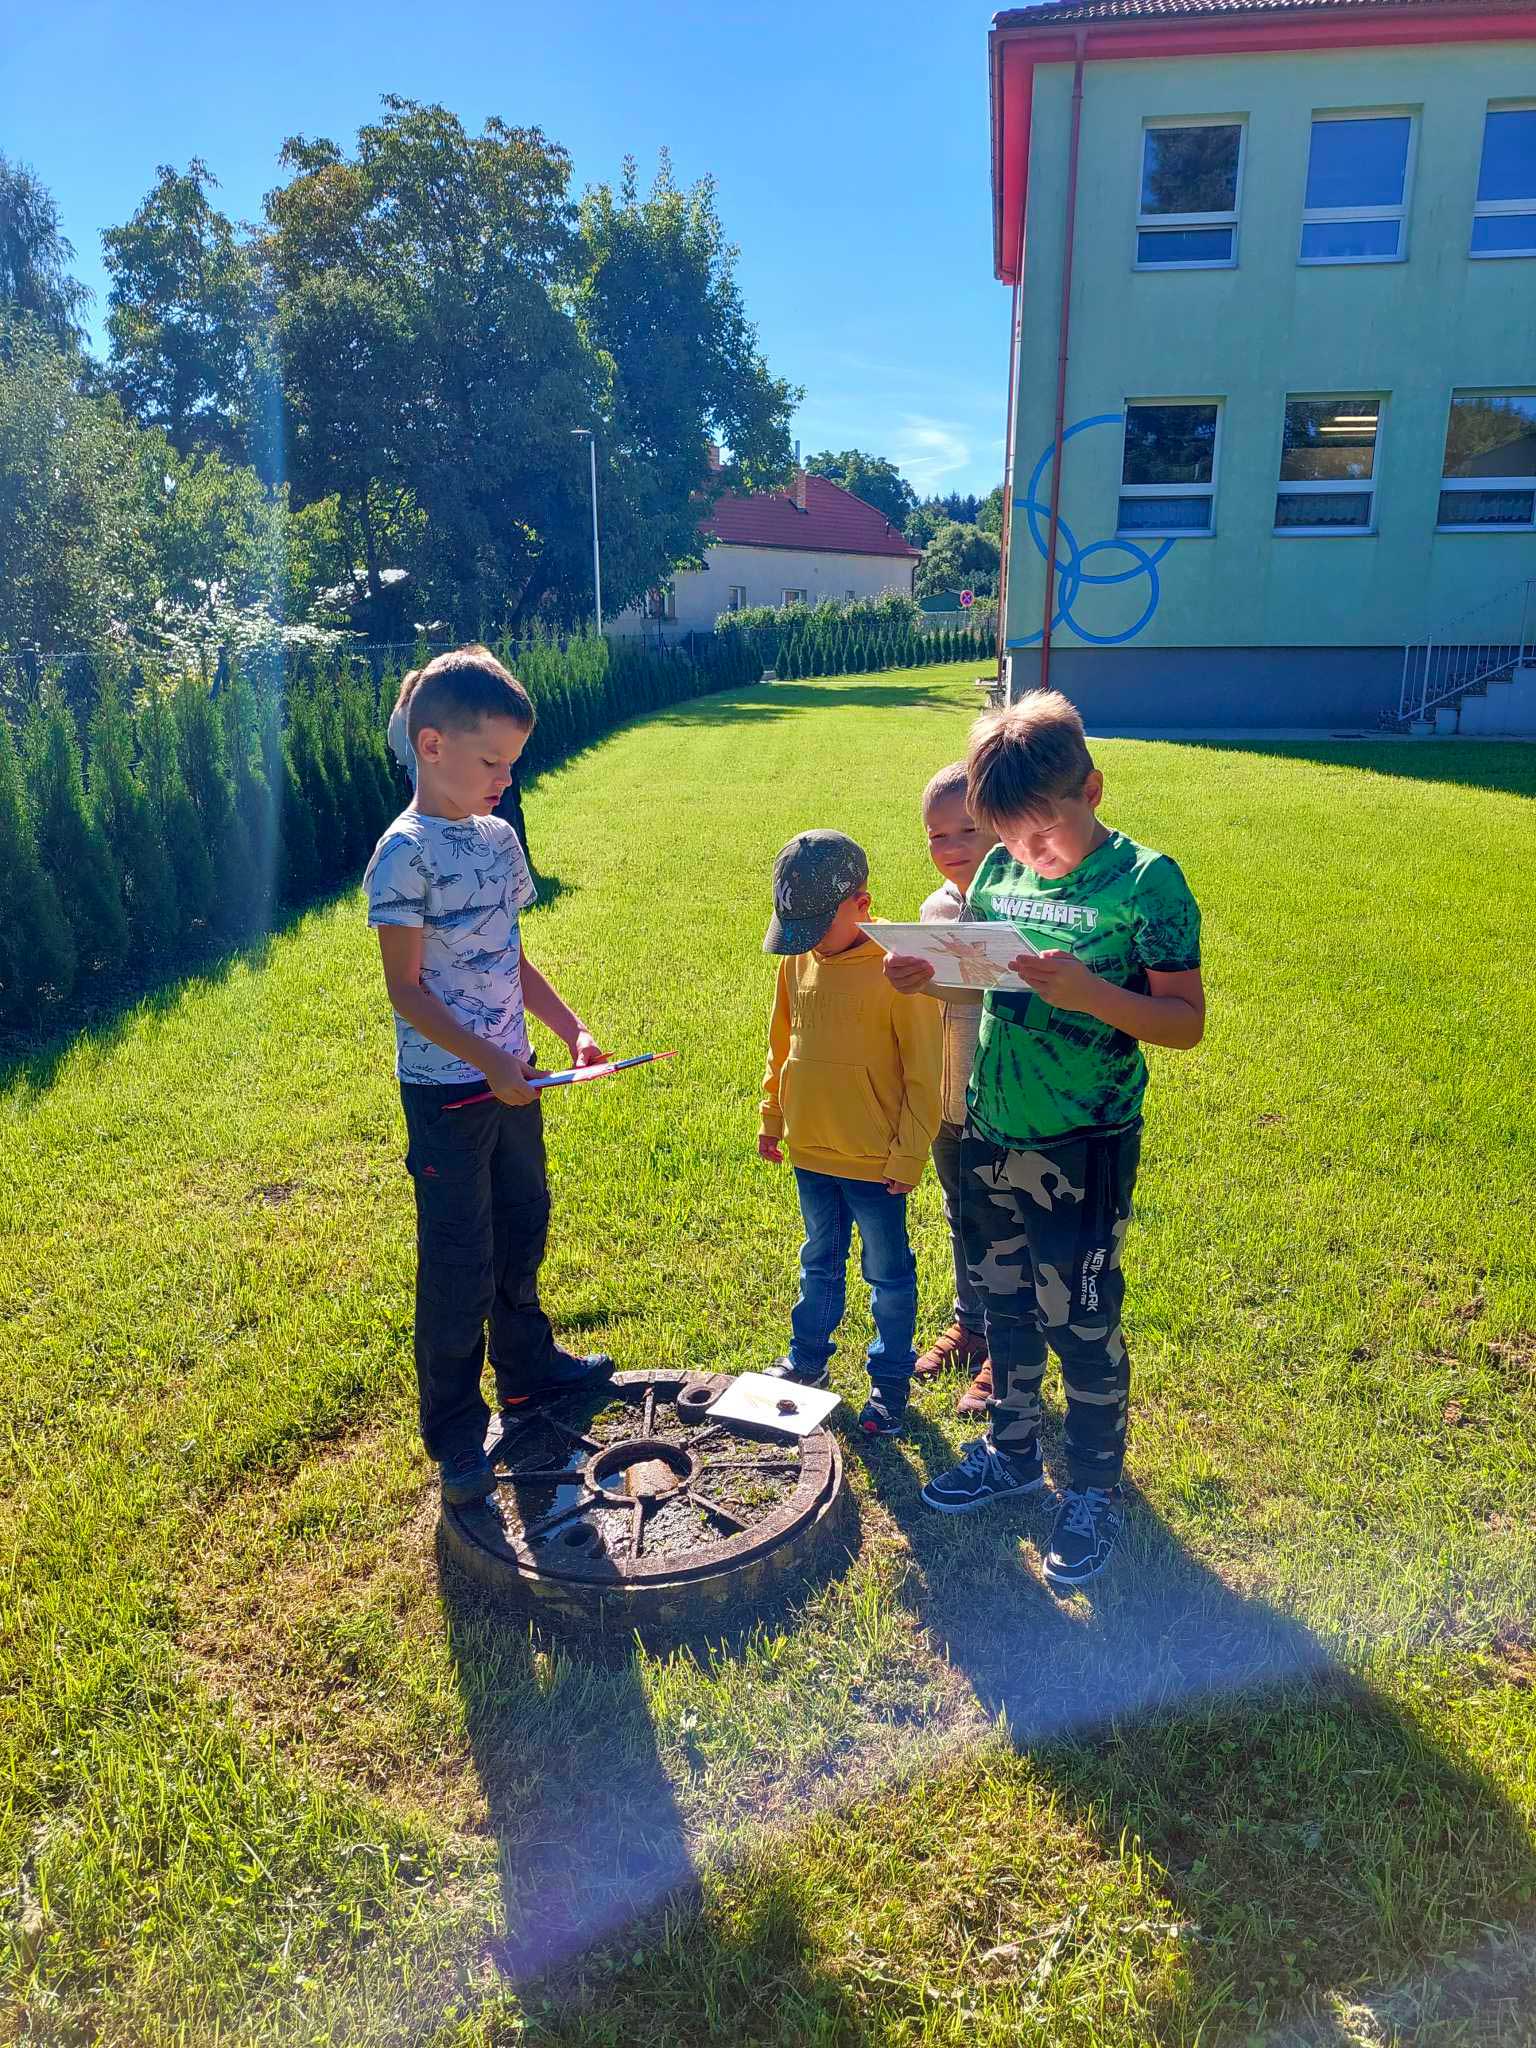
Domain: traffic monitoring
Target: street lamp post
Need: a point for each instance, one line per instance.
(586, 433)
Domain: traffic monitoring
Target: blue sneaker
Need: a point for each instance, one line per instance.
(883, 1414)
(985, 1474)
(1087, 1523)
(467, 1476)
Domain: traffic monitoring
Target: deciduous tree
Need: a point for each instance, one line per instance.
(184, 322)
(870, 477)
(959, 558)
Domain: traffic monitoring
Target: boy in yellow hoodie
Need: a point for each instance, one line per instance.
(852, 1088)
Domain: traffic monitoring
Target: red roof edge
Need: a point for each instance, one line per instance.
(814, 514)
(1017, 42)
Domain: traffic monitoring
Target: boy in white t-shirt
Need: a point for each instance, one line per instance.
(446, 887)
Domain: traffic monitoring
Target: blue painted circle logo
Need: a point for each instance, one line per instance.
(1073, 575)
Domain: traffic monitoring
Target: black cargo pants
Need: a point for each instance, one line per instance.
(482, 1220)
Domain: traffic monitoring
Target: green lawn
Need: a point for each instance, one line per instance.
(1275, 1782)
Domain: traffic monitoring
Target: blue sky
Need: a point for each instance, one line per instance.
(849, 140)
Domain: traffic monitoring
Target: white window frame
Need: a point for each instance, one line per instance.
(1151, 223)
(1285, 487)
(1125, 490)
(737, 601)
(1491, 209)
(796, 597)
(1323, 216)
(1485, 483)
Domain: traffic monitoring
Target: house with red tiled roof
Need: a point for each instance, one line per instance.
(809, 541)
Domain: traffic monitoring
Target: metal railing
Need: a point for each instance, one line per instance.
(1486, 644)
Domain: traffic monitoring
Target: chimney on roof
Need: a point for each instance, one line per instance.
(712, 454)
(797, 490)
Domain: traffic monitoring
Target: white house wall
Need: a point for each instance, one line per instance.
(765, 574)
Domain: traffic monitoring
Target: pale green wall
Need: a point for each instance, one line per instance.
(1411, 331)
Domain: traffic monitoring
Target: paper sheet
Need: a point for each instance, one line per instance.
(760, 1399)
(962, 955)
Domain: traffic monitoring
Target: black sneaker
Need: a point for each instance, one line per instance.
(467, 1476)
(985, 1474)
(1087, 1523)
(786, 1369)
(882, 1416)
(565, 1374)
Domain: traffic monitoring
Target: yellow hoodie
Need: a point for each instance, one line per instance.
(852, 1083)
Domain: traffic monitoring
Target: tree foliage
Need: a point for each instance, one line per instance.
(364, 413)
(959, 558)
(660, 310)
(70, 540)
(35, 256)
(184, 321)
(448, 321)
(870, 477)
(211, 802)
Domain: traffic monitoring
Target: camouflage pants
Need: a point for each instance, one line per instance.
(1043, 1233)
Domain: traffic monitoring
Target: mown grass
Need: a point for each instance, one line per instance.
(268, 1777)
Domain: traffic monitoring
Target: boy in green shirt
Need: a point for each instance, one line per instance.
(1053, 1128)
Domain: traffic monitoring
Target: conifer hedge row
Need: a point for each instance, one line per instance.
(185, 815)
(832, 639)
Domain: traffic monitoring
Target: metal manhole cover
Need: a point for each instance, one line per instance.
(626, 1506)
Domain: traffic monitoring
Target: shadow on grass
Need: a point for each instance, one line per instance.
(1312, 1834)
(551, 888)
(1319, 1850)
(761, 701)
(1509, 768)
(588, 1833)
(29, 1065)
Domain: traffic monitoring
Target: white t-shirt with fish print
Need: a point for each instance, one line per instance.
(465, 882)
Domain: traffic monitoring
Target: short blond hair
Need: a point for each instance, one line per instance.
(947, 783)
(1024, 759)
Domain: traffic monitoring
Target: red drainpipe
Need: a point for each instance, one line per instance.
(1005, 536)
(1063, 340)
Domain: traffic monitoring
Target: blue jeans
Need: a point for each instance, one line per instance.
(831, 1207)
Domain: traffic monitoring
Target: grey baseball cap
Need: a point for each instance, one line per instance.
(812, 875)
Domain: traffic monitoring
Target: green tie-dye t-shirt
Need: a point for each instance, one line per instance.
(1043, 1073)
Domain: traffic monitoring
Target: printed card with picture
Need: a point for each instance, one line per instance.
(974, 956)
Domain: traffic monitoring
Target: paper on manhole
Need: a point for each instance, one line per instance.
(770, 1403)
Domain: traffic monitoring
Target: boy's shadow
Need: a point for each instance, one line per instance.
(1281, 1794)
(588, 1833)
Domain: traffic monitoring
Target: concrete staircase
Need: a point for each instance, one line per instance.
(1475, 674)
(1502, 706)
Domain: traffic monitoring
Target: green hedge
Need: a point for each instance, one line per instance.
(850, 638)
(189, 812)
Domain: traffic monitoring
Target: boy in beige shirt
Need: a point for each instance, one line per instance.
(957, 846)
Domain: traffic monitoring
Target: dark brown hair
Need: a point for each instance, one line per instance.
(454, 691)
(1025, 758)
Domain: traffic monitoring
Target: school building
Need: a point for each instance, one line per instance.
(1272, 410)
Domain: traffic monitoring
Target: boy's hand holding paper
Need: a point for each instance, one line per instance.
(959, 956)
(1062, 980)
